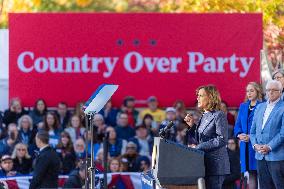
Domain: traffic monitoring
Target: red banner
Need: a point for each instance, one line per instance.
(65, 57)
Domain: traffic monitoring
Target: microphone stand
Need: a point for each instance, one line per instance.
(90, 170)
(87, 182)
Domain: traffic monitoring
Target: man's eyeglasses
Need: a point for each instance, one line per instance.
(277, 78)
(272, 90)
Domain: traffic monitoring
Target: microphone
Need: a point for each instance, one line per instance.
(163, 131)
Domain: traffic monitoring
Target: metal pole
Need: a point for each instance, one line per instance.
(87, 149)
(92, 167)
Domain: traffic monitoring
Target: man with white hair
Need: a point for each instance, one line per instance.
(267, 138)
(278, 75)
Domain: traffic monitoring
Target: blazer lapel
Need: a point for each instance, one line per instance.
(272, 113)
(206, 122)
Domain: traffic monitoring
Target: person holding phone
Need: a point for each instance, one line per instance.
(14, 112)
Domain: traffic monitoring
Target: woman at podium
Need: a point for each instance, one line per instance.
(211, 133)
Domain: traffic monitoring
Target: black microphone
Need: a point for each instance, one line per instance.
(163, 131)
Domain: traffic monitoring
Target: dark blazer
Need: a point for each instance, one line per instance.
(46, 170)
(212, 137)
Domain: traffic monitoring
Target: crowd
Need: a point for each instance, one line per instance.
(131, 134)
(130, 141)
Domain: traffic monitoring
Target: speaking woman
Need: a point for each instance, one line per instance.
(242, 130)
(211, 136)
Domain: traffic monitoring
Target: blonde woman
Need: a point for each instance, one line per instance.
(242, 130)
(21, 158)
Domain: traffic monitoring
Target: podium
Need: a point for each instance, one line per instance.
(176, 165)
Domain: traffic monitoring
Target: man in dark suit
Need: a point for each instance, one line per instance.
(46, 169)
(267, 138)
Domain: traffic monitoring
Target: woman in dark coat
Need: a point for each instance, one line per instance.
(66, 153)
(21, 159)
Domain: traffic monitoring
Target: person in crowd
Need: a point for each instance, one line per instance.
(180, 110)
(51, 125)
(212, 136)
(66, 153)
(130, 157)
(47, 164)
(123, 165)
(158, 114)
(2, 128)
(143, 141)
(39, 111)
(116, 146)
(7, 167)
(128, 107)
(150, 124)
(100, 127)
(99, 161)
(109, 113)
(170, 117)
(27, 132)
(76, 178)
(242, 131)
(278, 75)
(63, 114)
(181, 133)
(7, 144)
(96, 142)
(14, 112)
(267, 138)
(144, 164)
(230, 116)
(114, 165)
(22, 159)
(75, 128)
(79, 148)
(80, 112)
(234, 176)
(123, 129)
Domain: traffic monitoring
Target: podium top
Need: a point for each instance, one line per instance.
(180, 145)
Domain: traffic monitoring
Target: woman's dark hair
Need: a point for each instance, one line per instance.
(35, 107)
(235, 141)
(69, 146)
(55, 126)
(146, 117)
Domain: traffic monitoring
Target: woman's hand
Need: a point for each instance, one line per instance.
(192, 145)
(189, 120)
(243, 137)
